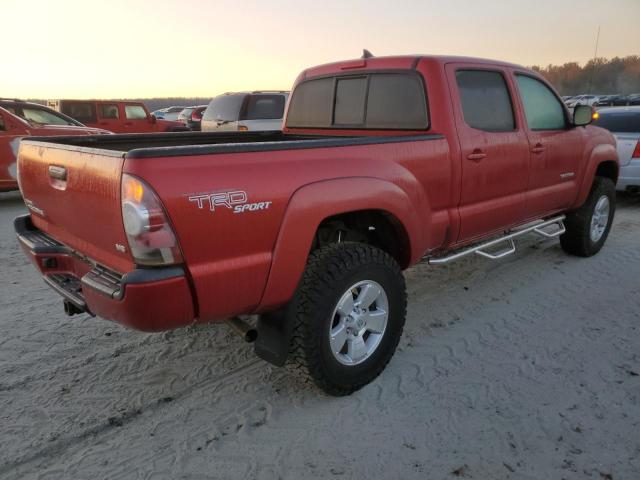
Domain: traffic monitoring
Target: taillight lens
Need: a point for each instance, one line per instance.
(243, 128)
(636, 152)
(150, 236)
(196, 116)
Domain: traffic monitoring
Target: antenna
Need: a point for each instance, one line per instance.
(366, 54)
(595, 56)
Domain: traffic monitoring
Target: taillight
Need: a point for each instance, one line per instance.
(196, 116)
(636, 152)
(243, 128)
(150, 236)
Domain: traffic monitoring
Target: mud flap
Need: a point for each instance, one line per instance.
(274, 337)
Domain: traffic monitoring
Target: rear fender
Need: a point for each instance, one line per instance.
(313, 203)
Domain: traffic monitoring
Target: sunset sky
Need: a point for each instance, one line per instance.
(135, 48)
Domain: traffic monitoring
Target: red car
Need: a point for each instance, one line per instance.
(40, 121)
(116, 116)
(383, 162)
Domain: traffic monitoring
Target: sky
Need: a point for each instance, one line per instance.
(162, 48)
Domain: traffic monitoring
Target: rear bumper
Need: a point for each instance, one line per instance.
(629, 175)
(145, 299)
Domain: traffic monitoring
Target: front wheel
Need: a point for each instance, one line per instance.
(588, 227)
(349, 313)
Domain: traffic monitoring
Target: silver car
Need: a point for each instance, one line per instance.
(245, 111)
(624, 123)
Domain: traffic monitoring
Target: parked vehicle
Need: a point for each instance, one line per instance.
(245, 111)
(633, 99)
(36, 121)
(582, 100)
(566, 97)
(624, 123)
(610, 101)
(192, 117)
(116, 116)
(169, 113)
(382, 163)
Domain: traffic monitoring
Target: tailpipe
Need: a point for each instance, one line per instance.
(242, 328)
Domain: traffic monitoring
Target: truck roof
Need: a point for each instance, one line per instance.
(395, 61)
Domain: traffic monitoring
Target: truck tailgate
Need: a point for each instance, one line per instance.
(74, 195)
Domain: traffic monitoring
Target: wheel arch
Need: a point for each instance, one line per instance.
(316, 205)
(603, 162)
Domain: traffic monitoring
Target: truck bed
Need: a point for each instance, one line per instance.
(206, 143)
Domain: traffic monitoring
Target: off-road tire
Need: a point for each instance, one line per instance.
(329, 273)
(577, 239)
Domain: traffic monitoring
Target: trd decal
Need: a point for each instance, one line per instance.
(235, 201)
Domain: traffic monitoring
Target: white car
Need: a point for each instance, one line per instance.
(245, 111)
(169, 113)
(582, 100)
(624, 123)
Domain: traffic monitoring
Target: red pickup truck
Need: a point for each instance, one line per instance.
(383, 162)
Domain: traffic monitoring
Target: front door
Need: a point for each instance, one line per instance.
(556, 148)
(137, 120)
(494, 148)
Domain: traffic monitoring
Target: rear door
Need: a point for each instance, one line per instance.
(556, 147)
(494, 147)
(109, 117)
(136, 119)
(263, 112)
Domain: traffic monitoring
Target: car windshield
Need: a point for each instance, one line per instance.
(45, 117)
(619, 122)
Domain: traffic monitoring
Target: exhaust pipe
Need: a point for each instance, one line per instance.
(242, 328)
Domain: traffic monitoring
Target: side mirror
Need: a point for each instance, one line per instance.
(152, 118)
(582, 115)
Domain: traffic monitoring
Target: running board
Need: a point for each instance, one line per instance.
(508, 238)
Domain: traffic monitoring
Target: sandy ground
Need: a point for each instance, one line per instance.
(526, 368)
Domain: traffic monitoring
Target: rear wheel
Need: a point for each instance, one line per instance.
(589, 226)
(349, 314)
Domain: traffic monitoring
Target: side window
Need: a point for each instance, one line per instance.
(135, 112)
(109, 111)
(541, 107)
(486, 103)
(84, 112)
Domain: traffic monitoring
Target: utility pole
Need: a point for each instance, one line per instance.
(595, 56)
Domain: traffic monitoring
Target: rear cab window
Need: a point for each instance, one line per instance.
(135, 112)
(384, 101)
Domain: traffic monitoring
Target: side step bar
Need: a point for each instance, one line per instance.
(510, 247)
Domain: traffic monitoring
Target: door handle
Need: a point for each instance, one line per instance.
(538, 148)
(58, 173)
(477, 155)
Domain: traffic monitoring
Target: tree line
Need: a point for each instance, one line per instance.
(598, 76)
